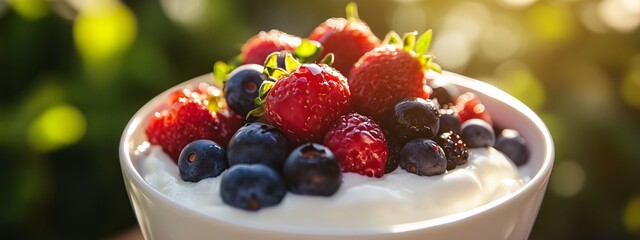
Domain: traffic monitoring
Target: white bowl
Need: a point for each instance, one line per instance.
(509, 217)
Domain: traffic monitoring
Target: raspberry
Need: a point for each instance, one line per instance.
(189, 119)
(469, 107)
(359, 145)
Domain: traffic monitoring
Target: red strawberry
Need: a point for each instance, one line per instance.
(389, 73)
(348, 39)
(189, 119)
(469, 106)
(258, 47)
(305, 102)
(359, 145)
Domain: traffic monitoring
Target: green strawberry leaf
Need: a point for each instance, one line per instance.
(392, 38)
(422, 46)
(352, 12)
(258, 112)
(328, 59)
(214, 103)
(409, 41)
(291, 63)
(220, 71)
(308, 50)
(264, 88)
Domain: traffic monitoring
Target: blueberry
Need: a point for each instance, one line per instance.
(423, 157)
(252, 187)
(201, 159)
(413, 118)
(258, 143)
(242, 88)
(443, 91)
(513, 146)
(449, 121)
(455, 150)
(312, 169)
(477, 133)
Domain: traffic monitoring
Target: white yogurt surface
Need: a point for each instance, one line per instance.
(396, 198)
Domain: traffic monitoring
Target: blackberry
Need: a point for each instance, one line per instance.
(455, 150)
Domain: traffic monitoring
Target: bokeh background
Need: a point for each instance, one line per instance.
(72, 72)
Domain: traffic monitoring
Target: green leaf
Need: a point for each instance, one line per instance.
(291, 63)
(214, 103)
(328, 59)
(409, 41)
(424, 41)
(220, 71)
(392, 38)
(265, 87)
(271, 61)
(434, 66)
(308, 50)
(352, 12)
(258, 112)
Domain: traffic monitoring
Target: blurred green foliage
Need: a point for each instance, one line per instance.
(74, 72)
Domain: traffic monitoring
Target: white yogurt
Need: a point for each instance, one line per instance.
(396, 198)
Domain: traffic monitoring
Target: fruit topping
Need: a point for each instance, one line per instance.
(258, 47)
(348, 39)
(359, 145)
(312, 169)
(423, 157)
(389, 73)
(449, 121)
(201, 159)
(241, 88)
(189, 118)
(393, 153)
(469, 106)
(252, 187)
(413, 118)
(513, 146)
(477, 133)
(304, 100)
(258, 143)
(443, 91)
(455, 150)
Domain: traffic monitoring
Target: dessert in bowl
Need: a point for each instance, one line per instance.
(510, 216)
(392, 151)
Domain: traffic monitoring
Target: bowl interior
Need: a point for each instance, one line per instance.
(505, 111)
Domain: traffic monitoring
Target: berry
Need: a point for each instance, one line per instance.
(252, 187)
(258, 143)
(382, 77)
(513, 146)
(423, 157)
(201, 159)
(455, 150)
(258, 47)
(359, 145)
(413, 118)
(443, 91)
(477, 133)
(242, 88)
(312, 169)
(304, 104)
(348, 39)
(469, 106)
(393, 153)
(449, 121)
(188, 119)
(391, 72)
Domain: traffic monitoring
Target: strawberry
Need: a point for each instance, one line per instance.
(389, 73)
(258, 47)
(348, 39)
(189, 118)
(359, 145)
(304, 100)
(469, 106)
